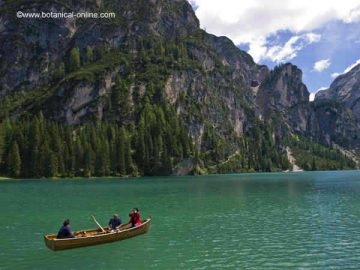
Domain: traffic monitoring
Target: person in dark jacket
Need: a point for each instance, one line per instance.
(65, 231)
(114, 222)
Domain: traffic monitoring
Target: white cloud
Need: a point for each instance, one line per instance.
(322, 65)
(252, 22)
(354, 16)
(336, 74)
(312, 95)
(284, 52)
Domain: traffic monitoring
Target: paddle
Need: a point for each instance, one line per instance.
(97, 223)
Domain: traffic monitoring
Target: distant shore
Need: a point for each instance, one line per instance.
(136, 177)
(71, 178)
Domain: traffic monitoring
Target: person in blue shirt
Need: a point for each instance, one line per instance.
(65, 231)
(114, 222)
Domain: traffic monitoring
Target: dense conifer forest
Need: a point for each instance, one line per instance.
(39, 148)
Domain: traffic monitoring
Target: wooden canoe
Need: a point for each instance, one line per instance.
(95, 237)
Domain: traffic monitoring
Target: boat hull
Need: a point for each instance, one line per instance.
(94, 237)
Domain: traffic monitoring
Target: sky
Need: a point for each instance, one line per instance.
(321, 37)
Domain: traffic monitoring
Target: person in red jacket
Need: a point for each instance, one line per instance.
(135, 217)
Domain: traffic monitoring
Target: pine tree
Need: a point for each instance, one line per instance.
(89, 160)
(34, 151)
(313, 165)
(89, 55)
(140, 146)
(79, 157)
(196, 159)
(121, 152)
(102, 166)
(50, 164)
(124, 108)
(74, 59)
(59, 72)
(128, 156)
(14, 161)
(2, 141)
(167, 163)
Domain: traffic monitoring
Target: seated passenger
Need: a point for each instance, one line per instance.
(135, 217)
(65, 231)
(114, 222)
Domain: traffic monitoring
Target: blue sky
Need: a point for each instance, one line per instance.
(339, 44)
(320, 37)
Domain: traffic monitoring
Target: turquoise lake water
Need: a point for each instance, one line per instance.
(307, 220)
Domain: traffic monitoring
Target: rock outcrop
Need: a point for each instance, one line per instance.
(338, 109)
(283, 96)
(346, 90)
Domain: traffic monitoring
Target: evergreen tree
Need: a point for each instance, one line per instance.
(196, 159)
(128, 157)
(102, 167)
(59, 72)
(79, 157)
(140, 146)
(89, 160)
(167, 163)
(121, 152)
(2, 141)
(89, 55)
(14, 160)
(313, 165)
(34, 151)
(120, 100)
(50, 164)
(74, 59)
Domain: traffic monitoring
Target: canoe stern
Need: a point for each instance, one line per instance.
(49, 243)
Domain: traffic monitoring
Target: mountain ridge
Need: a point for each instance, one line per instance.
(154, 59)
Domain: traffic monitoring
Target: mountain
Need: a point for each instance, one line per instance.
(146, 93)
(339, 108)
(283, 95)
(346, 90)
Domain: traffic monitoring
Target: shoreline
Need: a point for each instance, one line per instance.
(3, 178)
(73, 178)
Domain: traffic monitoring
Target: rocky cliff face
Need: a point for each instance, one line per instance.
(346, 90)
(337, 124)
(31, 48)
(338, 109)
(152, 45)
(283, 100)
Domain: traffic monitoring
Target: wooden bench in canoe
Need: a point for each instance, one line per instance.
(95, 237)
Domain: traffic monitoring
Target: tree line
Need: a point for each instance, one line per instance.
(37, 147)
